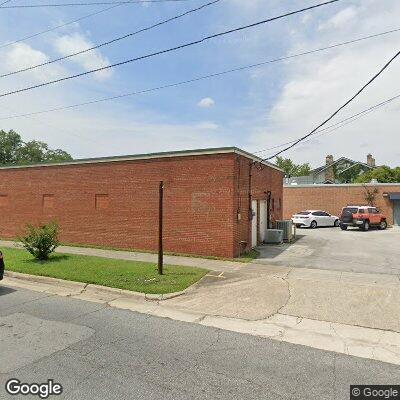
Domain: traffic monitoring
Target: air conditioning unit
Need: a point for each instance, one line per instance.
(273, 236)
(287, 227)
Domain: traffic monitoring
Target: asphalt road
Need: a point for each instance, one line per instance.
(98, 352)
(332, 249)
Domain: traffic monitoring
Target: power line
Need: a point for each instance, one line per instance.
(338, 110)
(163, 22)
(200, 78)
(177, 17)
(4, 2)
(95, 3)
(170, 49)
(57, 27)
(337, 125)
(74, 21)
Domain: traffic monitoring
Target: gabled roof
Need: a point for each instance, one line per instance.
(324, 167)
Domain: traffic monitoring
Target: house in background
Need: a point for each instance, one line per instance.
(340, 171)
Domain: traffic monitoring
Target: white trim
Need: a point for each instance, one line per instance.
(184, 153)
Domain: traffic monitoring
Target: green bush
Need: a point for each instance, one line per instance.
(41, 240)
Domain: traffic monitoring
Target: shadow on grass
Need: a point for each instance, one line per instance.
(54, 258)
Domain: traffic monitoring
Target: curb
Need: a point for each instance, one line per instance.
(82, 286)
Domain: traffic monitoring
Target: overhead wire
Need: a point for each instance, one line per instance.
(337, 111)
(200, 78)
(116, 39)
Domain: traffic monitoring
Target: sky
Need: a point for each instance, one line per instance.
(254, 109)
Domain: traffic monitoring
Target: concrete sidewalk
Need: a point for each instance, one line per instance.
(215, 265)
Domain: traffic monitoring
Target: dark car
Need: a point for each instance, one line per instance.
(1, 266)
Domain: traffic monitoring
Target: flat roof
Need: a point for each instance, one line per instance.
(148, 156)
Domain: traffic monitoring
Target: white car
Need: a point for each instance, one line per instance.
(314, 218)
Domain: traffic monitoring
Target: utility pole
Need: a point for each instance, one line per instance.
(160, 229)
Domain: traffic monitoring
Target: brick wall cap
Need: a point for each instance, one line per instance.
(149, 156)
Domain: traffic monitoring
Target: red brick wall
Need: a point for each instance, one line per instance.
(116, 203)
(332, 198)
(263, 179)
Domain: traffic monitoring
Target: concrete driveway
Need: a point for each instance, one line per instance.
(374, 251)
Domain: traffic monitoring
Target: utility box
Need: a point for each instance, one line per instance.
(287, 227)
(273, 236)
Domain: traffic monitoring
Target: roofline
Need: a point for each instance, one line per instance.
(324, 167)
(149, 156)
(323, 185)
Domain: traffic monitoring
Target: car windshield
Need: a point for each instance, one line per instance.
(303, 213)
(353, 210)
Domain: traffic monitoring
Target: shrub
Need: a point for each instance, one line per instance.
(41, 240)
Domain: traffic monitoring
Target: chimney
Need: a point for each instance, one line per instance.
(329, 172)
(370, 160)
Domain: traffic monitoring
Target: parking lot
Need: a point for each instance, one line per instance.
(374, 251)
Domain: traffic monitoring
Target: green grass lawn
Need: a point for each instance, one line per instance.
(122, 274)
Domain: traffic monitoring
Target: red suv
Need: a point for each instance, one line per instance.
(363, 217)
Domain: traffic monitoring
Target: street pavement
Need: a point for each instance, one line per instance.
(98, 352)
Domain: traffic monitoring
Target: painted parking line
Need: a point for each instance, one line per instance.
(221, 275)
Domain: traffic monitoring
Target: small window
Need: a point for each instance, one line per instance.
(325, 214)
(372, 210)
(317, 213)
(102, 201)
(362, 211)
(48, 201)
(3, 200)
(273, 204)
(351, 210)
(279, 204)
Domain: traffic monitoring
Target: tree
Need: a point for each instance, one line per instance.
(13, 151)
(292, 169)
(383, 174)
(57, 155)
(32, 152)
(370, 195)
(10, 142)
(350, 175)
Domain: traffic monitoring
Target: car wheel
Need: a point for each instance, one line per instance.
(365, 226)
(343, 227)
(383, 225)
(298, 226)
(336, 223)
(313, 224)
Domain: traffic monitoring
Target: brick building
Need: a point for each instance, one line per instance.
(332, 198)
(114, 201)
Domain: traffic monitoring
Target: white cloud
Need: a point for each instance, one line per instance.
(22, 56)
(315, 86)
(76, 42)
(206, 102)
(340, 19)
(207, 125)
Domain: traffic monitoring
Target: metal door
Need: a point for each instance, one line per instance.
(263, 219)
(254, 224)
(396, 212)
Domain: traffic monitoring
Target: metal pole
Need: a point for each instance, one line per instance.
(269, 193)
(160, 229)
